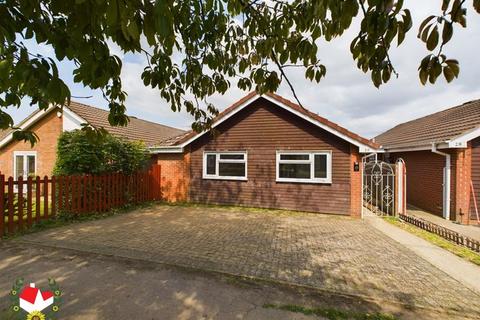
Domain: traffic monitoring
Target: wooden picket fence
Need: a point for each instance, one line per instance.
(24, 202)
(443, 232)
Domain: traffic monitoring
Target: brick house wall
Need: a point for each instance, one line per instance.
(425, 180)
(175, 171)
(475, 178)
(48, 129)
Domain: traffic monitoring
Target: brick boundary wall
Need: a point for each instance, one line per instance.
(356, 187)
(175, 176)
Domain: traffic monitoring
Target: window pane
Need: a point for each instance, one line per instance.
(227, 156)
(294, 157)
(19, 166)
(320, 166)
(31, 165)
(294, 171)
(211, 163)
(231, 169)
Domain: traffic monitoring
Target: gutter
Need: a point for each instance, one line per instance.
(446, 181)
(165, 149)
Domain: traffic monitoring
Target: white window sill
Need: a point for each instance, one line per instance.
(309, 181)
(226, 178)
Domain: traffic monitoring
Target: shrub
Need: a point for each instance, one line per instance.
(79, 153)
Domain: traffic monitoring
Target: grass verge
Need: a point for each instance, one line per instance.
(273, 211)
(460, 251)
(331, 313)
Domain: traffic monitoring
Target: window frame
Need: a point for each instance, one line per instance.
(25, 154)
(310, 161)
(217, 154)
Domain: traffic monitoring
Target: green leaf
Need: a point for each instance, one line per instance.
(432, 41)
(447, 32)
(453, 65)
(448, 73)
(423, 24)
(423, 75)
(476, 5)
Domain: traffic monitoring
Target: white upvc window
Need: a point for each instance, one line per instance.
(304, 166)
(225, 165)
(24, 164)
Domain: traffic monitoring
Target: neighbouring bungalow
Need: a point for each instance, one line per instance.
(442, 156)
(20, 159)
(265, 151)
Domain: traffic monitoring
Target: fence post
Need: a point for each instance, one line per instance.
(54, 196)
(60, 193)
(37, 199)
(20, 202)
(10, 205)
(95, 193)
(45, 196)
(2, 204)
(29, 201)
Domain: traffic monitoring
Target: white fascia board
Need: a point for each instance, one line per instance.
(441, 145)
(39, 115)
(362, 147)
(462, 140)
(71, 120)
(166, 149)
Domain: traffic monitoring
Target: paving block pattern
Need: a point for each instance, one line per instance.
(338, 254)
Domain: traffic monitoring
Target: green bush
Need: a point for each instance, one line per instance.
(79, 153)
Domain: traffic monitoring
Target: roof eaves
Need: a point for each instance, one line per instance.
(252, 96)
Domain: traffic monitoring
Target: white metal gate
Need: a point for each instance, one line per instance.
(384, 187)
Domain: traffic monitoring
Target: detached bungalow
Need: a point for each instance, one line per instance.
(442, 156)
(266, 151)
(20, 159)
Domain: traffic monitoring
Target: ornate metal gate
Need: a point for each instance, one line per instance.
(379, 185)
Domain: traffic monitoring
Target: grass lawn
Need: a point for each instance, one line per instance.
(460, 251)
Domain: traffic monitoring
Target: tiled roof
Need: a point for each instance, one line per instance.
(185, 137)
(434, 128)
(137, 129)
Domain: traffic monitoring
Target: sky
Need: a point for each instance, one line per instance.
(345, 96)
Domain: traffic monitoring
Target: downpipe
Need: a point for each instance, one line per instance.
(446, 181)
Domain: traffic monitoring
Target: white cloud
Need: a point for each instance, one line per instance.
(346, 95)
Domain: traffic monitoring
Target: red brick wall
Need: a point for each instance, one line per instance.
(475, 177)
(175, 175)
(48, 129)
(356, 183)
(463, 163)
(425, 179)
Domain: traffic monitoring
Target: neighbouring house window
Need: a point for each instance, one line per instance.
(304, 166)
(225, 165)
(24, 164)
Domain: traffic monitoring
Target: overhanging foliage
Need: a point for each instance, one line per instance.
(196, 48)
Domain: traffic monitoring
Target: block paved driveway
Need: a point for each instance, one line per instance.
(331, 253)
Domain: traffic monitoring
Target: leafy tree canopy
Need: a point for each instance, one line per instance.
(196, 48)
(77, 153)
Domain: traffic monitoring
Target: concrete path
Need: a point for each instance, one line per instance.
(329, 253)
(471, 231)
(103, 288)
(465, 272)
